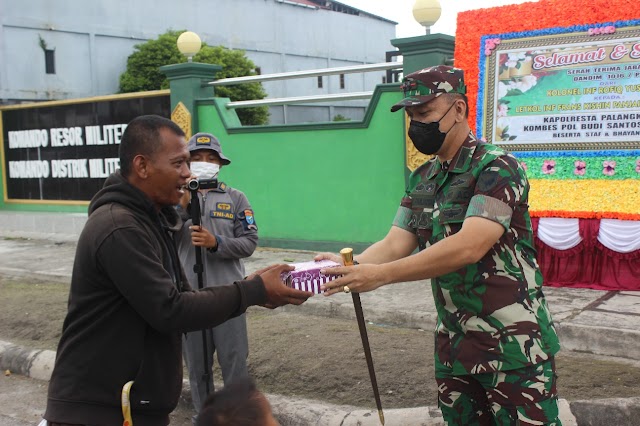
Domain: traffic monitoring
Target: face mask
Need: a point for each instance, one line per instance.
(427, 137)
(204, 170)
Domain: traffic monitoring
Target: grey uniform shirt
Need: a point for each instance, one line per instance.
(227, 214)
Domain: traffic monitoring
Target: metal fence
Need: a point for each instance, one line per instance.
(303, 74)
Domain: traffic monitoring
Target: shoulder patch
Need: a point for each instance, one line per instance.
(248, 221)
(248, 214)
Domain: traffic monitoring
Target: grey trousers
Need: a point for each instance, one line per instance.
(229, 342)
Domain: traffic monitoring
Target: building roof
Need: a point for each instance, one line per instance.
(307, 2)
(336, 6)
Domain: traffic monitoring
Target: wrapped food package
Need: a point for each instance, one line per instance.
(307, 276)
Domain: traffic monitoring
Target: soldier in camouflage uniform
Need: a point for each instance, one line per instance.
(467, 211)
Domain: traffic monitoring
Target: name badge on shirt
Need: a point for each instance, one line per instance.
(222, 214)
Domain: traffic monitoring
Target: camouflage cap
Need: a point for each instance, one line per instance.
(422, 86)
(207, 141)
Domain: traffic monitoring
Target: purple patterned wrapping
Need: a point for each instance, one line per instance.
(307, 276)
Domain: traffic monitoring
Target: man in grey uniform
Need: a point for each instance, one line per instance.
(228, 233)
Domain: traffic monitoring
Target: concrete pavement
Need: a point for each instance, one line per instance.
(599, 322)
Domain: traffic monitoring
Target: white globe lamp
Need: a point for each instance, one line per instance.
(189, 44)
(427, 13)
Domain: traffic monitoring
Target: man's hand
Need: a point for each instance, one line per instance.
(185, 200)
(186, 197)
(328, 256)
(278, 294)
(201, 237)
(360, 278)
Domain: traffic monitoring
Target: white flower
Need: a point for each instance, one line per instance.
(502, 122)
(527, 82)
(502, 90)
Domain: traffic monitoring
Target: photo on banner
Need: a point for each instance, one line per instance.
(573, 90)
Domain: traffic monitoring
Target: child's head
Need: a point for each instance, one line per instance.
(238, 404)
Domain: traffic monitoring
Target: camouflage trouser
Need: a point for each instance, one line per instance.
(525, 396)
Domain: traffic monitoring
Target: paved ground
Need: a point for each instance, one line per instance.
(599, 322)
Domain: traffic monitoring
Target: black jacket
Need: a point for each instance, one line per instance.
(129, 302)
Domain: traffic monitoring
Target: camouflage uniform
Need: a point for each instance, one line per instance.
(493, 322)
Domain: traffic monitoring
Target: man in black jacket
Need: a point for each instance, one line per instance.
(129, 300)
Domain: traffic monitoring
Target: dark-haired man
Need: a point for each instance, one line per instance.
(239, 403)
(467, 211)
(129, 300)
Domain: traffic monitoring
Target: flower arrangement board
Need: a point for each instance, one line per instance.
(578, 89)
(596, 173)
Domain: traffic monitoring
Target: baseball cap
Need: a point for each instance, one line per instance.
(422, 86)
(207, 141)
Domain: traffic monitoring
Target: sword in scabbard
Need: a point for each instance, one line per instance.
(347, 258)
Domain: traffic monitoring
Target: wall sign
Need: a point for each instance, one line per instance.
(63, 151)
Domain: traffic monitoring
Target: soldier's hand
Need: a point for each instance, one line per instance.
(360, 279)
(278, 294)
(201, 237)
(328, 256)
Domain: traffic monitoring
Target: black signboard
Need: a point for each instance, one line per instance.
(64, 151)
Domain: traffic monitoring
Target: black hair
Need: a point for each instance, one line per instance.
(455, 96)
(142, 137)
(237, 404)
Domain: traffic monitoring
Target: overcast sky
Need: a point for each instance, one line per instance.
(401, 12)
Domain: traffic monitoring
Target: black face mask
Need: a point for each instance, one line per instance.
(427, 137)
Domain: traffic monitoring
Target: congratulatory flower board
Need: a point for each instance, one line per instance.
(577, 89)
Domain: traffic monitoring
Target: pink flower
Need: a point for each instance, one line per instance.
(609, 168)
(581, 168)
(638, 165)
(487, 52)
(524, 166)
(610, 29)
(549, 167)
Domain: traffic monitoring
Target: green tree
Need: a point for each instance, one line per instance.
(340, 117)
(142, 72)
